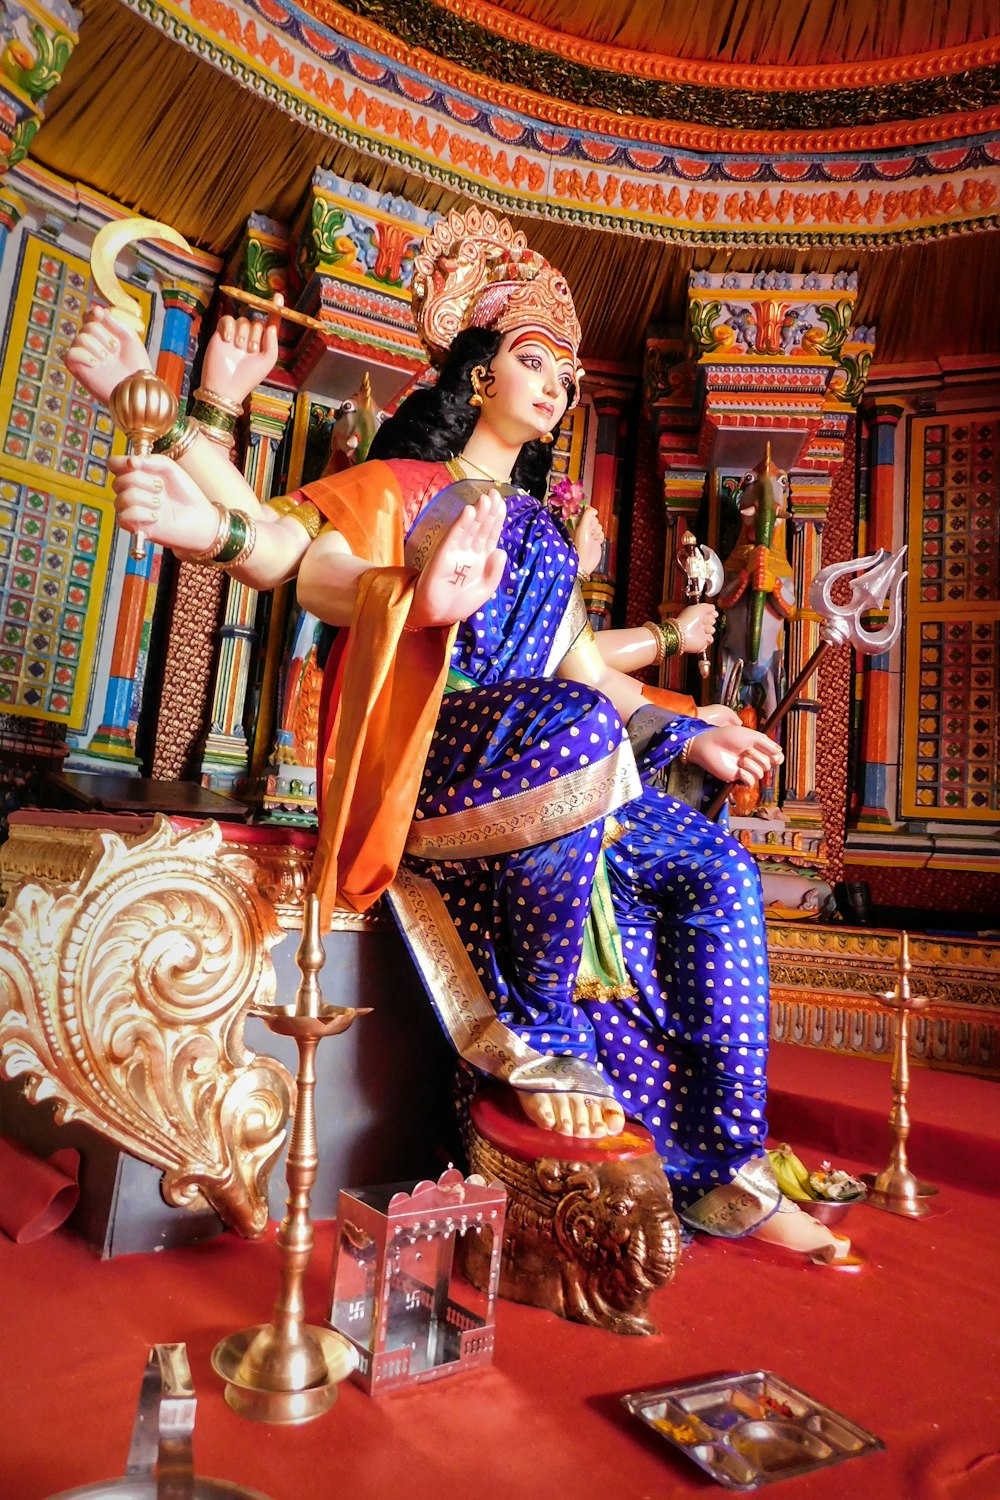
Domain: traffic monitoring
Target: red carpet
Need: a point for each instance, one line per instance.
(909, 1348)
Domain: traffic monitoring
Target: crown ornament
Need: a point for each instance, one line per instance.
(474, 270)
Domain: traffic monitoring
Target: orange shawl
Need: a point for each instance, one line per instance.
(390, 686)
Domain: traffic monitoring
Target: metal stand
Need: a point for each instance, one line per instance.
(288, 1370)
(160, 1463)
(895, 1189)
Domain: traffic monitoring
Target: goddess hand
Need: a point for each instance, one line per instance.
(735, 754)
(104, 353)
(719, 715)
(240, 354)
(465, 568)
(698, 625)
(588, 539)
(155, 496)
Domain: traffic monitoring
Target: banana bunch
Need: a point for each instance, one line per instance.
(791, 1175)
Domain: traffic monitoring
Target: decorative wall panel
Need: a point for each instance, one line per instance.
(56, 516)
(952, 684)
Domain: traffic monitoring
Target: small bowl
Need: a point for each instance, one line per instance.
(828, 1213)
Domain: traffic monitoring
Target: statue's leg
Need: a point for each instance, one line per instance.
(509, 768)
(689, 1054)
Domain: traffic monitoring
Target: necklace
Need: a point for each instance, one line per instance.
(456, 472)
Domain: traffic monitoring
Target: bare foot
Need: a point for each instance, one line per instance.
(580, 1115)
(794, 1230)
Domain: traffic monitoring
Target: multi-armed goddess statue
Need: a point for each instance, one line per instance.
(484, 755)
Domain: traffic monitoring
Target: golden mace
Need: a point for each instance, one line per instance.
(144, 407)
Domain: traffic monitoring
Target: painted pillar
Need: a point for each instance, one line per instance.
(800, 802)
(115, 739)
(600, 591)
(877, 754)
(682, 496)
(11, 213)
(225, 759)
(38, 40)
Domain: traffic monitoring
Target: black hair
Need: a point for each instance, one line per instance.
(436, 422)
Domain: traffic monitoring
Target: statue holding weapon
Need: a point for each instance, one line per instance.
(877, 583)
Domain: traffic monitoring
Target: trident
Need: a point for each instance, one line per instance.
(879, 577)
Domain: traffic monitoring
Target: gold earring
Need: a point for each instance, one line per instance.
(477, 376)
(547, 437)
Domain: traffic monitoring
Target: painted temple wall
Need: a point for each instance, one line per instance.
(945, 863)
(67, 584)
(924, 818)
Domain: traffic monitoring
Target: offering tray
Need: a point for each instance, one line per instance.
(748, 1430)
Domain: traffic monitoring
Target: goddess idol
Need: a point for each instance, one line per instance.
(485, 758)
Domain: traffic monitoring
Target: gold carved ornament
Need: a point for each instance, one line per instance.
(123, 997)
(474, 270)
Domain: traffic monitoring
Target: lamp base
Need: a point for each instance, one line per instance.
(902, 1195)
(289, 1407)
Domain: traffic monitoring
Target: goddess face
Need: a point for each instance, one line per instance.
(528, 386)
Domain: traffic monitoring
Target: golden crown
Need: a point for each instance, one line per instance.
(476, 271)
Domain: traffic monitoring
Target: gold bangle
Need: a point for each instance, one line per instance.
(305, 512)
(211, 552)
(685, 755)
(225, 440)
(212, 398)
(681, 638)
(661, 646)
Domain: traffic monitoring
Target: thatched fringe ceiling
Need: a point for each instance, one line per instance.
(147, 123)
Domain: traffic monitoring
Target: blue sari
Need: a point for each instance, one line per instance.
(532, 795)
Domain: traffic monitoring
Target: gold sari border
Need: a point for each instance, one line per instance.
(738, 1207)
(455, 988)
(530, 817)
(439, 513)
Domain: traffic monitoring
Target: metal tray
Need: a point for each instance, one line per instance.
(750, 1429)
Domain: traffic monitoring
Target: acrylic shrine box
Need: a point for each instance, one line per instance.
(398, 1291)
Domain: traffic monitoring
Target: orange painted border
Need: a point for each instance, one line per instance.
(670, 134)
(744, 77)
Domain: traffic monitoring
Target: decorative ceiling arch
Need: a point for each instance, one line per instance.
(892, 179)
(221, 109)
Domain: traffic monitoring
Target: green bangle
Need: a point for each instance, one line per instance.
(213, 416)
(166, 442)
(671, 638)
(239, 543)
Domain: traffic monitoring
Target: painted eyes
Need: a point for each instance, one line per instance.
(533, 362)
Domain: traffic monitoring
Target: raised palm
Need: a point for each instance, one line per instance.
(466, 566)
(240, 354)
(104, 353)
(588, 539)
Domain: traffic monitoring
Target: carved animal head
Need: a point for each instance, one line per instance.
(620, 1230)
(357, 421)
